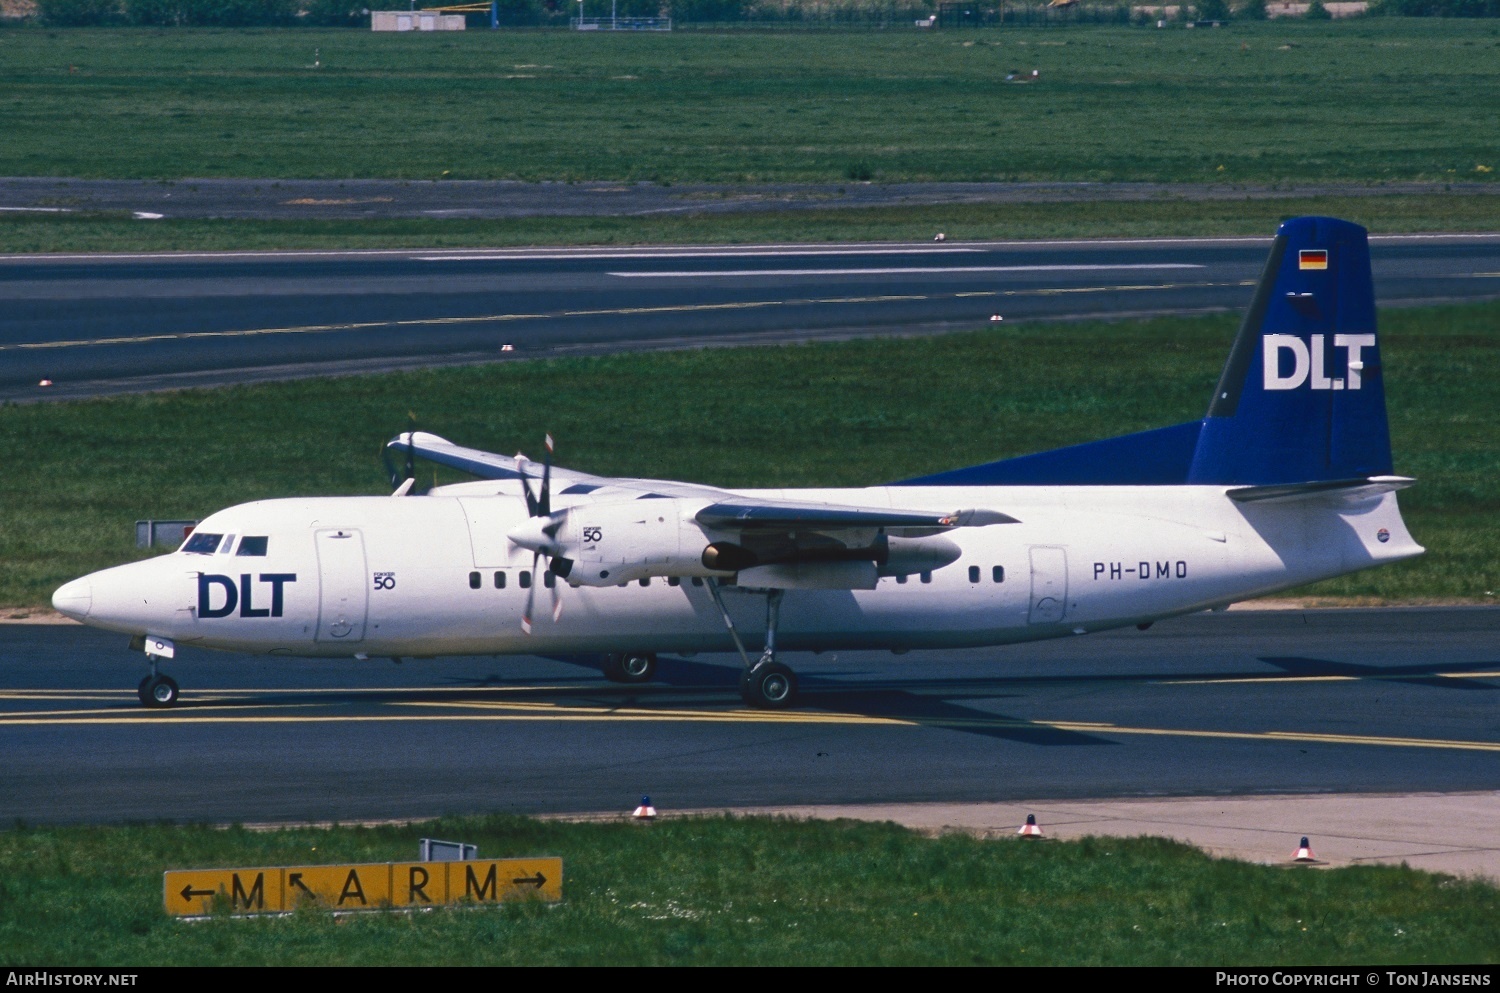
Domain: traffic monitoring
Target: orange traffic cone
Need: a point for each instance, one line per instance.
(1304, 853)
(1030, 829)
(645, 812)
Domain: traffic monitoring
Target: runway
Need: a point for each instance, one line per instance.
(1245, 702)
(101, 324)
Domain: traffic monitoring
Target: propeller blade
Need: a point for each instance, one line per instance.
(390, 467)
(530, 595)
(556, 602)
(532, 506)
(545, 502)
(411, 430)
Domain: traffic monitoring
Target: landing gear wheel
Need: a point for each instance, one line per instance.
(630, 667)
(769, 686)
(158, 691)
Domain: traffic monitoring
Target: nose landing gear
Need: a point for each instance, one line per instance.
(157, 689)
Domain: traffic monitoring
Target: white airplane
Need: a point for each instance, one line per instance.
(1285, 481)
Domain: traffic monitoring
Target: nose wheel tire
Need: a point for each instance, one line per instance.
(630, 667)
(769, 686)
(158, 691)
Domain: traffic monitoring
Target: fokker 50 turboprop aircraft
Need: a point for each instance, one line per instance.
(1286, 480)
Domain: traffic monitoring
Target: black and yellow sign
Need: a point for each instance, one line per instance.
(382, 886)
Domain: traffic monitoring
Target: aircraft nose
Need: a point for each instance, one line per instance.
(74, 599)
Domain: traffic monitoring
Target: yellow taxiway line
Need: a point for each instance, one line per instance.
(1272, 677)
(500, 711)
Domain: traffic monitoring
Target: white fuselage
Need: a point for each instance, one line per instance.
(436, 575)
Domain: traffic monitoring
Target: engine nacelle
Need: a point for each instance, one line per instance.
(905, 556)
(609, 544)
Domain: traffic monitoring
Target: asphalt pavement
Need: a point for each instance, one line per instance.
(91, 325)
(1118, 732)
(364, 199)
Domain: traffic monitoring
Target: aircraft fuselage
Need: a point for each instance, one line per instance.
(435, 575)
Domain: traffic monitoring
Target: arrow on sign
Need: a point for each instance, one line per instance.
(295, 879)
(538, 880)
(188, 892)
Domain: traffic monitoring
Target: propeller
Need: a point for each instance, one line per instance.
(539, 534)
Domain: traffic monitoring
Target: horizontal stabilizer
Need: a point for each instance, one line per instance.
(1346, 489)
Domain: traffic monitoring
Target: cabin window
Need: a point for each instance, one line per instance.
(474, 581)
(926, 577)
(549, 579)
(673, 581)
(998, 574)
(973, 573)
(525, 580)
(202, 544)
(499, 580)
(253, 544)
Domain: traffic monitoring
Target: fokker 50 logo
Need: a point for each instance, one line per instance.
(241, 595)
(1308, 364)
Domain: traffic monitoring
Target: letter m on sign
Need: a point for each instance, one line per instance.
(253, 900)
(474, 889)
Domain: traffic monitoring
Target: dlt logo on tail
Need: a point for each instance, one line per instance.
(1310, 363)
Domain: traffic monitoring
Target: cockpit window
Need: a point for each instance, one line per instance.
(252, 544)
(202, 544)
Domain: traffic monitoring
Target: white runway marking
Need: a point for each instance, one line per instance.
(791, 251)
(906, 270)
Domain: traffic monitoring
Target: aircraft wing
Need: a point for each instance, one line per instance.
(750, 514)
(727, 511)
(567, 482)
(485, 465)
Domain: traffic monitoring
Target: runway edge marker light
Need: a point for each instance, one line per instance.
(1304, 853)
(645, 812)
(1030, 829)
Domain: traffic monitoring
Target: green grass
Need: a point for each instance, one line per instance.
(749, 891)
(1369, 100)
(77, 475)
(1158, 218)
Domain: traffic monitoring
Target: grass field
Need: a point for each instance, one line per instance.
(1172, 218)
(79, 474)
(1368, 100)
(743, 892)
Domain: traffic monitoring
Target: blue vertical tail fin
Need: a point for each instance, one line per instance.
(1302, 398)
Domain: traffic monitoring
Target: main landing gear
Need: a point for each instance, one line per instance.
(630, 667)
(765, 684)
